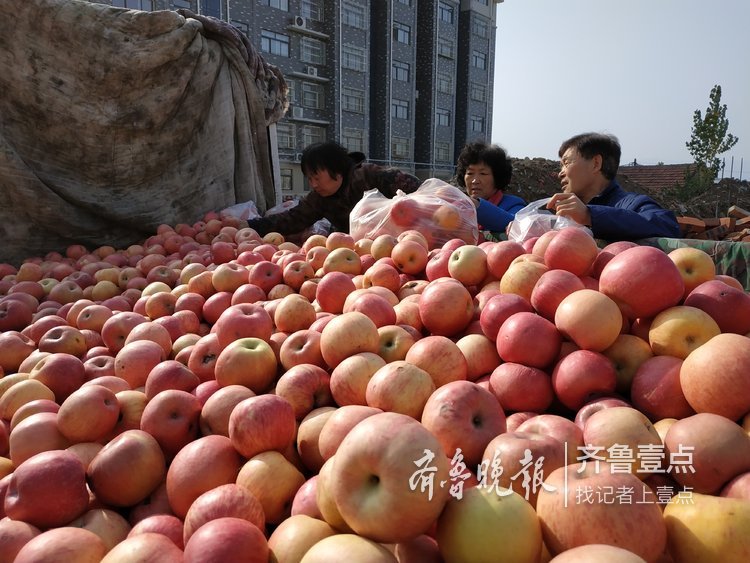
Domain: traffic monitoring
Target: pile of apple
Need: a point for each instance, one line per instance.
(213, 395)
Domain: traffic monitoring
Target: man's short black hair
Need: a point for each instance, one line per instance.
(589, 145)
(328, 156)
(492, 155)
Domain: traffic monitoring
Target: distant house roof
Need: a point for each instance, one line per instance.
(658, 177)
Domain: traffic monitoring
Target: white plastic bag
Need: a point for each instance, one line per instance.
(436, 209)
(535, 219)
(244, 211)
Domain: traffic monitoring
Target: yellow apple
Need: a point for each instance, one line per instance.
(706, 528)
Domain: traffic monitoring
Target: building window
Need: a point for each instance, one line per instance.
(312, 9)
(443, 151)
(402, 33)
(313, 51)
(242, 26)
(400, 148)
(479, 59)
(445, 12)
(287, 180)
(210, 8)
(478, 92)
(180, 4)
(353, 99)
(400, 109)
(279, 4)
(353, 140)
(312, 95)
(480, 28)
(445, 48)
(274, 43)
(405, 2)
(354, 15)
(353, 58)
(291, 93)
(443, 117)
(477, 123)
(445, 83)
(484, 2)
(286, 135)
(145, 5)
(400, 71)
(313, 134)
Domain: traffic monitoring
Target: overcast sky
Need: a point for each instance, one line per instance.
(635, 68)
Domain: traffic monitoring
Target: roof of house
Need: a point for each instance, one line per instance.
(657, 177)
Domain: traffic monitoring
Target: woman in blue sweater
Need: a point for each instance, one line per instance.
(485, 172)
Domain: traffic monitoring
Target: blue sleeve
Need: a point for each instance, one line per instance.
(493, 218)
(642, 218)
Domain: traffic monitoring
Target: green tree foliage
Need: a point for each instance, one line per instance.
(709, 139)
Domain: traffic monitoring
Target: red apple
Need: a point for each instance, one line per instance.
(705, 451)
(127, 469)
(332, 291)
(170, 374)
(68, 542)
(400, 387)
(521, 388)
(305, 387)
(568, 522)
(171, 417)
(728, 306)
(348, 334)
(572, 249)
(629, 280)
(528, 339)
(349, 379)
(214, 418)
(581, 376)
(262, 423)
(89, 414)
(525, 458)
(553, 286)
(339, 424)
(389, 446)
(590, 319)
(222, 539)
(714, 378)
(202, 465)
(446, 307)
(463, 416)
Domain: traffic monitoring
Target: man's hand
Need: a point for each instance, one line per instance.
(570, 205)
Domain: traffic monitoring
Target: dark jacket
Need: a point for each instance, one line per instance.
(337, 207)
(620, 215)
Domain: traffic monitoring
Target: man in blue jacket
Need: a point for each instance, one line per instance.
(591, 196)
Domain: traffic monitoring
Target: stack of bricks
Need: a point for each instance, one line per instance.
(735, 227)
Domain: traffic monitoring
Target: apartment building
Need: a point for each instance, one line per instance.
(406, 82)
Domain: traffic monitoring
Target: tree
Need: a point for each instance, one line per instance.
(709, 136)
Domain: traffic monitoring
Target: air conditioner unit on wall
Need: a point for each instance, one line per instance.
(298, 112)
(311, 70)
(299, 21)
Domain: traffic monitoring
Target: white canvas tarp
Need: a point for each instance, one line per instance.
(114, 121)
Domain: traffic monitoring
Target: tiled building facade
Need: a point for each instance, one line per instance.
(406, 82)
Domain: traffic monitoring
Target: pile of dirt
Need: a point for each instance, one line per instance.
(536, 178)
